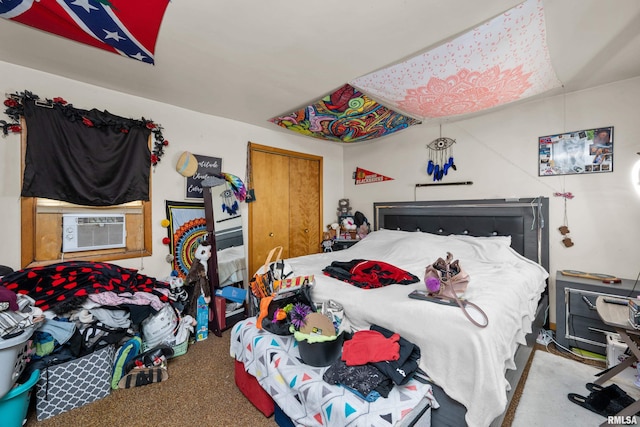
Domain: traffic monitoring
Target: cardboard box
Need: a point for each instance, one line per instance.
(75, 383)
(232, 293)
(202, 314)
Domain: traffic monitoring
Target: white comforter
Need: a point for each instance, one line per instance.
(231, 265)
(468, 362)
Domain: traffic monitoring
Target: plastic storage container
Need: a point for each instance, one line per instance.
(13, 359)
(321, 353)
(616, 349)
(14, 405)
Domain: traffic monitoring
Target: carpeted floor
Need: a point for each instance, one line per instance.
(200, 391)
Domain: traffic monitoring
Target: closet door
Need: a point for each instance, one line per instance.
(287, 211)
(269, 214)
(304, 206)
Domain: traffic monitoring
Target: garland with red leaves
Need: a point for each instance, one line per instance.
(14, 110)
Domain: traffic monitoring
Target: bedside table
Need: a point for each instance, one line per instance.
(340, 244)
(577, 321)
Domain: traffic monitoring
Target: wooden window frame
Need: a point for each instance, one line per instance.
(30, 227)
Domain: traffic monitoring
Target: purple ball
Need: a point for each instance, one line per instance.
(433, 284)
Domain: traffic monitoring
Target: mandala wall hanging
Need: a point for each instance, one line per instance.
(187, 226)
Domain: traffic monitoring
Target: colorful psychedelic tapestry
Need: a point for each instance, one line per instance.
(119, 26)
(503, 60)
(346, 115)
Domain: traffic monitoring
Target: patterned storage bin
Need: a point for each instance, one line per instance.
(75, 383)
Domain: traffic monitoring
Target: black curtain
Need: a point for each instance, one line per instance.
(91, 158)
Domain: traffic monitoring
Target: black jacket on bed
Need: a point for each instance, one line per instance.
(367, 274)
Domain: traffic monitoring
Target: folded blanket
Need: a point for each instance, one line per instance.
(368, 274)
(57, 283)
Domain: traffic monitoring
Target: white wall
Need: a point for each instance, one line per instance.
(184, 129)
(498, 152)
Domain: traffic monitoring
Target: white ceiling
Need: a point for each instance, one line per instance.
(250, 60)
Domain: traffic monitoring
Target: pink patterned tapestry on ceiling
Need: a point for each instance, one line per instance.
(503, 60)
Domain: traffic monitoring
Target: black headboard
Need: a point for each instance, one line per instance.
(522, 219)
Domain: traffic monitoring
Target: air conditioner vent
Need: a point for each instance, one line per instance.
(86, 232)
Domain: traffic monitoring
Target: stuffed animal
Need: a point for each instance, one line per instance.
(348, 224)
(362, 224)
(177, 292)
(327, 243)
(363, 230)
(197, 279)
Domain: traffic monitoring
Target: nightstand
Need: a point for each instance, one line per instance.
(340, 244)
(577, 321)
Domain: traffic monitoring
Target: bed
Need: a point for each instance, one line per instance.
(503, 245)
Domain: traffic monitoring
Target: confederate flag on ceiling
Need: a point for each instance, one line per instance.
(127, 27)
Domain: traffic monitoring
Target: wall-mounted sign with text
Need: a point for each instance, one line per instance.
(207, 166)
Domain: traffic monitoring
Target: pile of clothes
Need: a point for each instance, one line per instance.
(373, 361)
(18, 314)
(80, 307)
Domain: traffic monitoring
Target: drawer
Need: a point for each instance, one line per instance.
(588, 329)
(583, 303)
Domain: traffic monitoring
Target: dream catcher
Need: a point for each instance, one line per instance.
(234, 192)
(440, 157)
(229, 202)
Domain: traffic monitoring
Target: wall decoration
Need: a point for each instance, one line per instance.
(119, 26)
(187, 226)
(564, 228)
(364, 176)
(187, 164)
(346, 115)
(440, 157)
(483, 68)
(207, 166)
(578, 152)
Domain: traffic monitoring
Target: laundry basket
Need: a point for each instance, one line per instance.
(13, 359)
(14, 405)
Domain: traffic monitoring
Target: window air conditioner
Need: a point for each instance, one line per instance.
(86, 232)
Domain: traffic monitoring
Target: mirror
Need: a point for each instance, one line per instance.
(228, 268)
(232, 267)
(188, 224)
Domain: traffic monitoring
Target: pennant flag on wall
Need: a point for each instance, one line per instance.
(364, 176)
(126, 27)
(346, 115)
(504, 60)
